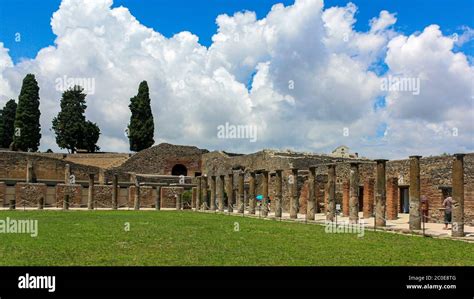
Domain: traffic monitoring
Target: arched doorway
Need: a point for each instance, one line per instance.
(179, 169)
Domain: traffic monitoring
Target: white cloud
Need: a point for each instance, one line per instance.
(311, 75)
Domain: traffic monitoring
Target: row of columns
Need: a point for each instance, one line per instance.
(379, 210)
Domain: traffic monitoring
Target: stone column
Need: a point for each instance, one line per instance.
(294, 200)
(66, 201)
(29, 172)
(458, 196)
(158, 198)
(136, 202)
(90, 194)
(101, 177)
(204, 188)
(278, 193)
(67, 174)
(368, 208)
(265, 193)
(311, 202)
(251, 193)
(230, 192)
(354, 194)
(178, 201)
(380, 193)
(240, 198)
(213, 193)
(392, 199)
(415, 213)
(198, 193)
(346, 194)
(115, 192)
(221, 192)
(331, 187)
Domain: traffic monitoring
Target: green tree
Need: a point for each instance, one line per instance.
(7, 124)
(141, 128)
(27, 134)
(72, 130)
(91, 136)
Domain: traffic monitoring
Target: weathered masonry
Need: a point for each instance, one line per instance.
(264, 182)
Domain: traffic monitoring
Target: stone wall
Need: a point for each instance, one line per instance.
(29, 195)
(168, 199)
(13, 166)
(162, 158)
(147, 196)
(102, 196)
(436, 174)
(74, 192)
(3, 194)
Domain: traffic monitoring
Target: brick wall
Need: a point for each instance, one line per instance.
(369, 197)
(392, 198)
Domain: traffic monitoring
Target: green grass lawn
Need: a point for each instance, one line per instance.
(190, 238)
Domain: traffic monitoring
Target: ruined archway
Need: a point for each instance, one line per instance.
(179, 169)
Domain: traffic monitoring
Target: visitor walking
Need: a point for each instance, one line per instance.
(447, 204)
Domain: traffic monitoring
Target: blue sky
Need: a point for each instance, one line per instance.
(31, 18)
(244, 77)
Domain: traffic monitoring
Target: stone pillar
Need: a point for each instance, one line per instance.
(67, 174)
(345, 198)
(178, 201)
(158, 198)
(29, 172)
(392, 199)
(66, 201)
(240, 197)
(40, 203)
(220, 193)
(204, 188)
(331, 187)
(251, 194)
(115, 192)
(213, 193)
(198, 193)
(230, 192)
(265, 193)
(90, 194)
(354, 194)
(415, 203)
(294, 200)
(380, 193)
(278, 193)
(311, 202)
(136, 202)
(458, 196)
(368, 208)
(101, 177)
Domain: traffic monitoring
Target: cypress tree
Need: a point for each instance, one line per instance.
(27, 134)
(7, 124)
(141, 128)
(72, 130)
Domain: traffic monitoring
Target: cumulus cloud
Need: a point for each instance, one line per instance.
(301, 75)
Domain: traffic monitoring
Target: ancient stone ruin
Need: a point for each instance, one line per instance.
(267, 183)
